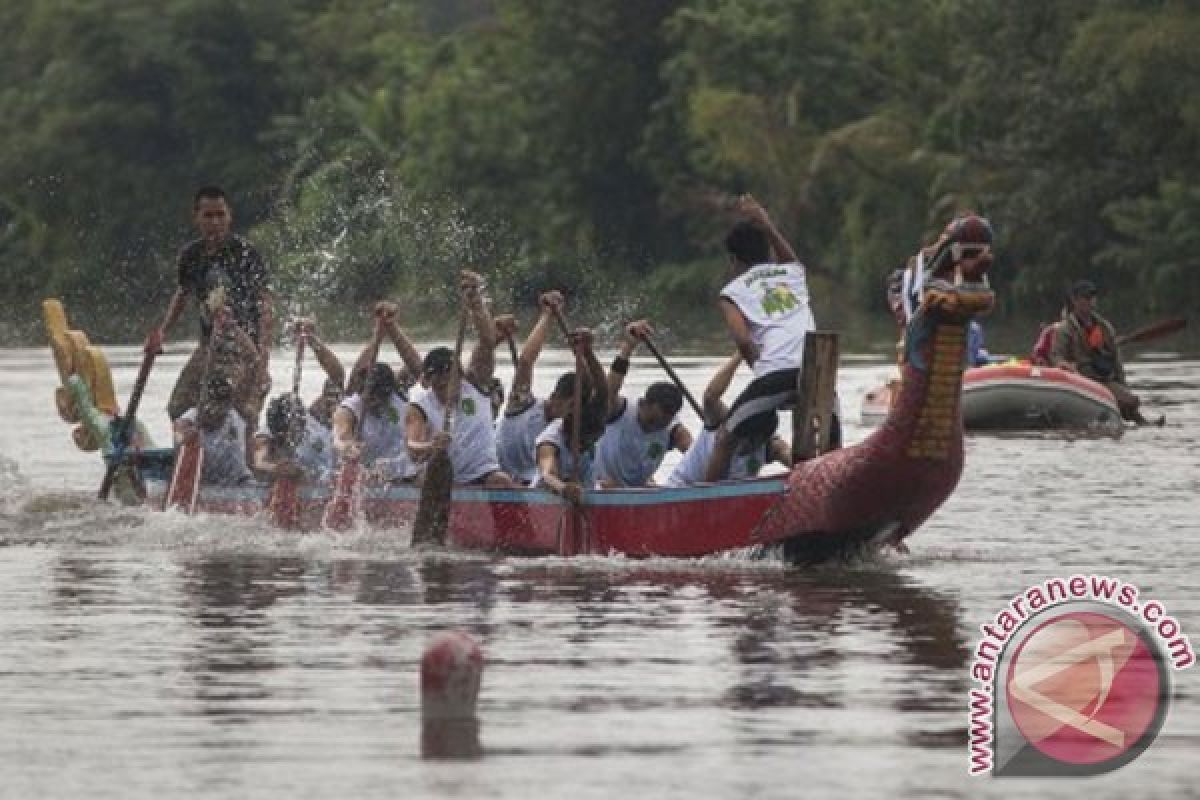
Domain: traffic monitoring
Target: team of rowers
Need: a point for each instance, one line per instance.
(584, 434)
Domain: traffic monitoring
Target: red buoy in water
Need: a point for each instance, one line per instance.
(451, 669)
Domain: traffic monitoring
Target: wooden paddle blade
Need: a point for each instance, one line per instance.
(1151, 332)
(433, 512)
(284, 504)
(339, 513)
(185, 478)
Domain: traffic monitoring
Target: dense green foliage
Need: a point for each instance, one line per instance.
(372, 146)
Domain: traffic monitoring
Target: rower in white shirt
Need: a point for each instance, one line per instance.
(750, 455)
(526, 415)
(638, 435)
(471, 444)
(222, 433)
(558, 469)
(766, 308)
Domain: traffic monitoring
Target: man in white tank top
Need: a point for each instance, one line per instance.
(222, 433)
(558, 469)
(751, 453)
(370, 425)
(526, 416)
(471, 441)
(766, 308)
(638, 435)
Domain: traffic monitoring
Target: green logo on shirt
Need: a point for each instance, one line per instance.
(779, 299)
(468, 406)
(655, 451)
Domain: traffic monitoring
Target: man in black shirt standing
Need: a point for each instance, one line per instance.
(221, 268)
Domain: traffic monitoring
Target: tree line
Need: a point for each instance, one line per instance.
(374, 146)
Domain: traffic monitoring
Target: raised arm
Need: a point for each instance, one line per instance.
(523, 378)
(714, 406)
(753, 210)
(368, 356)
(330, 363)
(389, 313)
(483, 358)
(154, 341)
(634, 332)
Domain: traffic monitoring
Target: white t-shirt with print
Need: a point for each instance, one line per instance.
(516, 441)
(385, 446)
(628, 455)
(692, 467)
(224, 450)
(561, 439)
(774, 300)
(473, 438)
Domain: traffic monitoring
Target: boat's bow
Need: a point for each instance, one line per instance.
(883, 488)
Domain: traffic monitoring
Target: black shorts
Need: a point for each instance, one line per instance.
(755, 413)
(756, 408)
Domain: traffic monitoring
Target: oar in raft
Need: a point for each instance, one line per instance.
(184, 488)
(576, 397)
(283, 503)
(433, 509)
(126, 425)
(667, 368)
(339, 512)
(1154, 331)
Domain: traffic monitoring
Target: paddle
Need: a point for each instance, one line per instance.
(576, 397)
(662, 362)
(189, 456)
(339, 512)
(284, 489)
(433, 509)
(1153, 331)
(126, 425)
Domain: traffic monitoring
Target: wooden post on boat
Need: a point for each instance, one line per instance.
(812, 420)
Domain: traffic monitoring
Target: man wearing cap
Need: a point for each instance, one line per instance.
(471, 442)
(222, 432)
(1086, 343)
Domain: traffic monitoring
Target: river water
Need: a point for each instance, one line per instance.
(150, 655)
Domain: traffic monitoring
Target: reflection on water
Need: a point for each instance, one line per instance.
(155, 655)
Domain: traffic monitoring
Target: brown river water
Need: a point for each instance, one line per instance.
(151, 655)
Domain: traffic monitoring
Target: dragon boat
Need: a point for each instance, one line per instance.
(839, 502)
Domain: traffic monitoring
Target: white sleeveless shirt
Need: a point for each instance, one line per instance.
(774, 300)
(473, 439)
(516, 441)
(224, 450)
(691, 468)
(385, 446)
(627, 455)
(555, 435)
(315, 453)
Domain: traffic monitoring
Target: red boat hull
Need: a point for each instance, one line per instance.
(674, 522)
